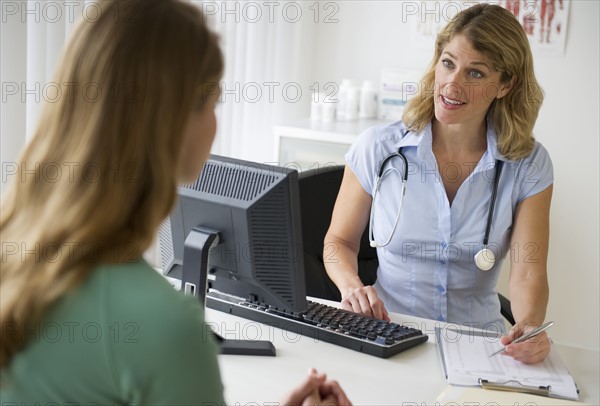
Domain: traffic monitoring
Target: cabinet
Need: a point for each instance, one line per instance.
(309, 144)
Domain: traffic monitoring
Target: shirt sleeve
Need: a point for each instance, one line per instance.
(535, 173)
(363, 158)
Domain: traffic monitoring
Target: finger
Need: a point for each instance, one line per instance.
(375, 303)
(333, 388)
(346, 305)
(386, 316)
(365, 305)
(530, 357)
(314, 398)
(514, 332)
(327, 401)
(537, 340)
(532, 344)
(358, 302)
(521, 329)
(306, 387)
(529, 352)
(354, 305)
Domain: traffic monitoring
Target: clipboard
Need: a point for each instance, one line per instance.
(466, 362)
(461, 395)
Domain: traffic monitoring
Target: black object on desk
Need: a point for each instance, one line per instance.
(326, 323)
(245, 347)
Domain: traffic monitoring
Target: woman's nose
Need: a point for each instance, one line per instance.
(453, 90)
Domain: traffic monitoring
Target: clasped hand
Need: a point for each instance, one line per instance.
(317, 390)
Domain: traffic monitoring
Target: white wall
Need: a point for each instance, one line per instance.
(370, 35)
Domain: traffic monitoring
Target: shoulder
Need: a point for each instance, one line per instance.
(537, 160)
(375, 143)
(138, 290)
(370, 149)
(382, 135)
(539, 152)
(133, 280)
(533, 173)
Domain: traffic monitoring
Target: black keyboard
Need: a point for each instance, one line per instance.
(325, 323)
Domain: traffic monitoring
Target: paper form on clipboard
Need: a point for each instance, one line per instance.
(466, 362)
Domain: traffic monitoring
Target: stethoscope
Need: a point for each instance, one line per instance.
(484, 259)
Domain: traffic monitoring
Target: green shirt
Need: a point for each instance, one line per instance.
(124, 336)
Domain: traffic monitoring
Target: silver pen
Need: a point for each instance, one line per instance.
(533, 333)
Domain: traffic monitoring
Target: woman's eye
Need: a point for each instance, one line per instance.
(447, 63)
(476, 74)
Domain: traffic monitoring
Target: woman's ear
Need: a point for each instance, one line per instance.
(506, 87)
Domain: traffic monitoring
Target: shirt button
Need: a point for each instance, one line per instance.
(443, 262)
(441, 289)
(444, 245)
(440, 318)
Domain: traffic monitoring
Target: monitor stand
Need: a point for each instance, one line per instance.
(193, 282)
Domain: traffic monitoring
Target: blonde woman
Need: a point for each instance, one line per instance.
(84, 318)
(474, 114)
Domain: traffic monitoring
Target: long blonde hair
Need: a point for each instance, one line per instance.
(493, 31)
(100, 173)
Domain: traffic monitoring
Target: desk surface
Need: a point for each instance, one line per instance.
(413, 376)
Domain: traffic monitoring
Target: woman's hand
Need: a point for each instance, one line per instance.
(364, 300)
(316, 390)
(530, 351)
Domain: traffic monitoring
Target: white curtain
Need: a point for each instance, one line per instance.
(48, 27)
(268, 50)
(32, 35)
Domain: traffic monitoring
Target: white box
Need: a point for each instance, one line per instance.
(398, 86)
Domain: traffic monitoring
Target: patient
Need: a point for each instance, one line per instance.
(84, 318)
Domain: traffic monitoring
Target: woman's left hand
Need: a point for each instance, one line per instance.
(530, 351)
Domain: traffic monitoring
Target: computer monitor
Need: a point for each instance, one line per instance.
(238, 225)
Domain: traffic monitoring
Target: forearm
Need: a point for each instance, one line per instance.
(528, 283)
(341, 263)
(342, 241)
(529, 297)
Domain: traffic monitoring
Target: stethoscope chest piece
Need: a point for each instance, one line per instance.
(485, 259)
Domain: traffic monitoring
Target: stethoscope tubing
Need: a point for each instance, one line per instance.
(484, 259)
(488, 226)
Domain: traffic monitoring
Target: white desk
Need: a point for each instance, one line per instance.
(414, 376)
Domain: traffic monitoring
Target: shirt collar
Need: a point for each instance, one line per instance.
(413, 139)
(423, 141)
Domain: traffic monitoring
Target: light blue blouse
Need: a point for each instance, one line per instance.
(427, 270)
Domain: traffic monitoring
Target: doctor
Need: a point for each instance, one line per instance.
(477, 186)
